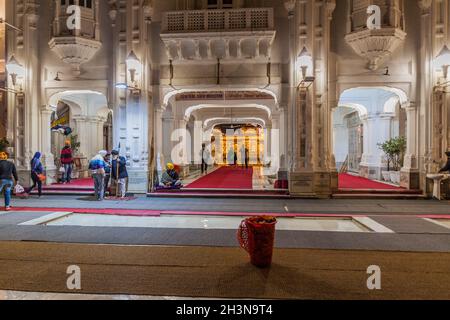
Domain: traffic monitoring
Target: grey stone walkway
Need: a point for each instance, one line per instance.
(375, 207)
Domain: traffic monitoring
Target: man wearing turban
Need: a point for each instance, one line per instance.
(170, 178)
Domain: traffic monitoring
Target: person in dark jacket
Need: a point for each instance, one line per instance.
(447, 166)
(247, 157)
(119, 173)
(7, 173)
(66, 162)
(36, 170)
(107, 171)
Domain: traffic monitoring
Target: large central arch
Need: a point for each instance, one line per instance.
(204, 109)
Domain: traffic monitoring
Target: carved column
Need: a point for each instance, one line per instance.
(81, 131)
(427, 161)
(410, 170)
(46, 142)
(311, 113)
(158, 132)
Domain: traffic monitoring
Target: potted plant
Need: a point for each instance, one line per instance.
(395, 150)
(75, 144)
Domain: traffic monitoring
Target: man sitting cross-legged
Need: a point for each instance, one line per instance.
(170, 178)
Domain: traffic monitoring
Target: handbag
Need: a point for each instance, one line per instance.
(62, 170)
(18, 189)
(42, 177)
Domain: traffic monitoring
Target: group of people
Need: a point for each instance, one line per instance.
(105, 167)
(232, 157)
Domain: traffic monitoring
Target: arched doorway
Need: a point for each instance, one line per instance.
(238, 144)
(231, 124)
(83, 118)
(366, 120)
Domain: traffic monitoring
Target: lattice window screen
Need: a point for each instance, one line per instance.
(196, 21)
(237, 20)
(216, 20)
(260, 19)
(175, 22)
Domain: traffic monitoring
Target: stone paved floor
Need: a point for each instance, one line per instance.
(378, 207)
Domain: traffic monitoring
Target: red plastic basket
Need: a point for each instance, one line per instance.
(256, 235)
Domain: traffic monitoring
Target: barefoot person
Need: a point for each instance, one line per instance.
(7, 173)
(66, 162)
(97, 167)
(107, 159)
(170, 178)
(205, 154)
(119, 173)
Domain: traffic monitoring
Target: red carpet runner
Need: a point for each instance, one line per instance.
(225, 178)
(75, 184)
(347, 181)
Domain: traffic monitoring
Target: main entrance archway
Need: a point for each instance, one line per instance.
(230, 124)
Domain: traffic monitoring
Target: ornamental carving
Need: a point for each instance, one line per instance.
(75, 44)
(74, 51)
(376, 45)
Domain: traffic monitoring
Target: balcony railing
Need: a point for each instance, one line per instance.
(194, 21)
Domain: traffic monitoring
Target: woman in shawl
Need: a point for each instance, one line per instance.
(36, 170)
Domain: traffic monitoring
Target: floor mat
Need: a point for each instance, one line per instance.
(223, 272)
(348, 181)
(225, 178)
(77, 183)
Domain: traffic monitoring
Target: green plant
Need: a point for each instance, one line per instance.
(395, 151)
(75, 143)
(4, 143)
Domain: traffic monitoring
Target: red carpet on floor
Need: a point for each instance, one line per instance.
(225, 178)
(348, 181)
(77, 183)
(113, 212)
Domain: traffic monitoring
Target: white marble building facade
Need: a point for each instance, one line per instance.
(286, 66)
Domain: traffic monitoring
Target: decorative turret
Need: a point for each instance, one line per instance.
(76, 33)
(376, 28)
